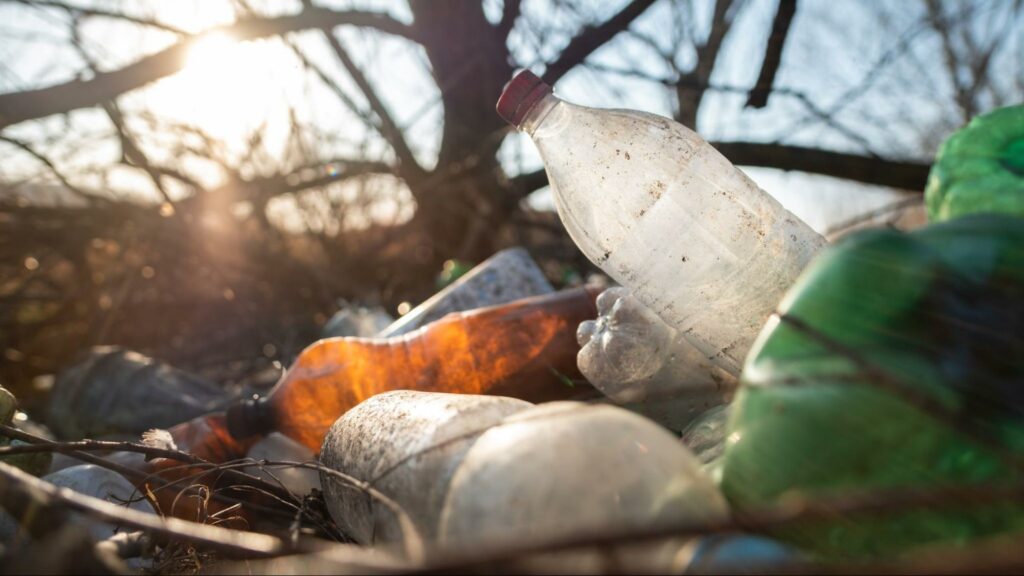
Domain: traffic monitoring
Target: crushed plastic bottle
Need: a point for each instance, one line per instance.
(525, 349)
(123, 393)
(665, 215)
(895, 363)
(634, 358)
(565, 468)
(508, 275)
(92, 481)
(980, 168)
(407, 445)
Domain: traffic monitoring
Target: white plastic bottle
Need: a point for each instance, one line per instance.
(665, 215)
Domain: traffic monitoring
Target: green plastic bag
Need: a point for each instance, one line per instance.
(980, 168)
(886, 349)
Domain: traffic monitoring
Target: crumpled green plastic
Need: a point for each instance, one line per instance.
(891, 355)
(980, 168)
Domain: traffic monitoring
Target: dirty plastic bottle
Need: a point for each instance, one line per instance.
(525, 349)
(407, 445)
(637, 360)
(665, 215)
(566, 468)
(92, 481)
(118, 392)
(508, 275)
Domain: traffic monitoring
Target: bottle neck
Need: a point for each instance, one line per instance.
(538, 113)
(250, 417)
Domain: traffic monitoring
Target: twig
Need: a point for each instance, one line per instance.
(20, 491)
(772, 54)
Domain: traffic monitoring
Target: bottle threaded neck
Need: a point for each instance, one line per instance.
(249, 417)
(520, 96)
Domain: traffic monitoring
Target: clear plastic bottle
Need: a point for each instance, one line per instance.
(637, 360)
(665, 215)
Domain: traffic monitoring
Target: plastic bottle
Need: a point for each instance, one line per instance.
(113, 391)
(638, 361)
(508, 275)
(525, 349)
(407, 445)
(566, 468)
(92, 481)
(665, 215)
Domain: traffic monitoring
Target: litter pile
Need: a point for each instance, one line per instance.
(746, 398)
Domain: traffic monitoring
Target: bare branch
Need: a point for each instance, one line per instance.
(74, 10)
(50, 166)
(869, 170)
(772, 54)
(690, 98)
(590, 39)
(23, 494)
(388, 128)
(31, 104)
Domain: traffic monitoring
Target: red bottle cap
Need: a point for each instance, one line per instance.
(520, 95)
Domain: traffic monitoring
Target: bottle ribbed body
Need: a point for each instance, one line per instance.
(526, 349)
(667, 216)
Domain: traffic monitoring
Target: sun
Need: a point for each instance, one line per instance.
(212, 55)
(226, 87)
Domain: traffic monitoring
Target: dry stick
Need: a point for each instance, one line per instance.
(766, 519)
(19, 490)
(411, 538)
(884, 380)
(414, 543)
(38, 444)
(136, 476)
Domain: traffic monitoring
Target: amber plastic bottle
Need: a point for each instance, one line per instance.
(525, 349)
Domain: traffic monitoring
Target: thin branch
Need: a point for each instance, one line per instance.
(592, 38)
(690, 97)
(910, 176)
(772, 54)
(23, 494)
(51, 167)
(18, 107)
(388, 128)
(797, 511)
(74, 10)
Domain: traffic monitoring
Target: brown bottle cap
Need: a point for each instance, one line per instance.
(520, 95)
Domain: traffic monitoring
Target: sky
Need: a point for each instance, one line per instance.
(232, 89)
